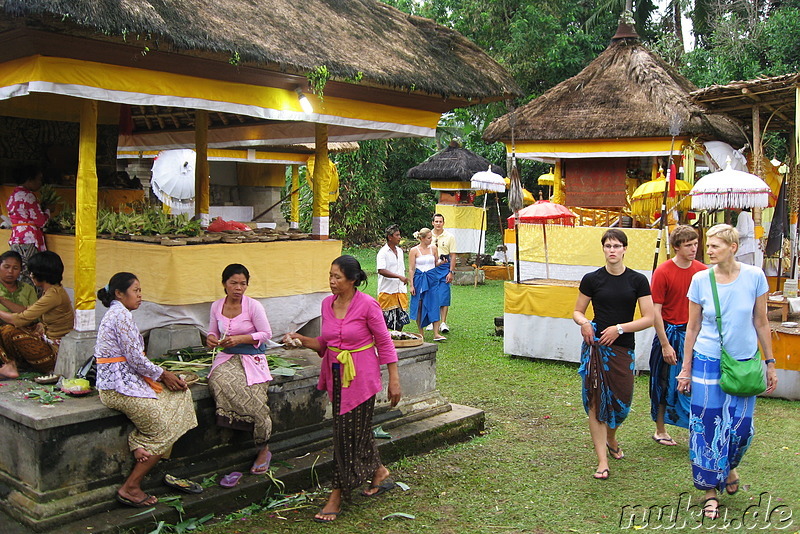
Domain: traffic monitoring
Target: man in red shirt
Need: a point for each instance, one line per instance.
(669, 286)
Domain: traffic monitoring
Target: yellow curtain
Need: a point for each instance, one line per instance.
(86, 212)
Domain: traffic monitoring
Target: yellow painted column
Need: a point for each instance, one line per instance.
(201, 181)
(86, 219)
(320, 210)
(294, 217)
(559, 197)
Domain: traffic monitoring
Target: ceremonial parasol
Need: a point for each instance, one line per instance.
(647, 198)
(173, 179)
(545, 212)
(730, 189)
(485, 182)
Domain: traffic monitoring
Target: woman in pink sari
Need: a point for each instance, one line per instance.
(239, 377)
(354, 343)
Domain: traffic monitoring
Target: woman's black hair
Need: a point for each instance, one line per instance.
(119, 282)
(12, 254)
(47, 267)
(235, 268)
(351, 268)
(28, 172)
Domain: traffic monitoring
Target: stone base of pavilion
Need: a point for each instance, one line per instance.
(61, 464)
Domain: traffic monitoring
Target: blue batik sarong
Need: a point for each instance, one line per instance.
(607, 374)
(663, 386)
(720, 426)
(444, 288)
(424, 305)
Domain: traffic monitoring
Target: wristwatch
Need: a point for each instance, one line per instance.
(620, 331)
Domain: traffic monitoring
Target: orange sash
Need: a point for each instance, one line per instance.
(158, 388)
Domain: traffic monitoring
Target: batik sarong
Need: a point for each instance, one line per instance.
(444, 288)
(720, 426)
(663, 386)
(424, 305)
(240, 406)
(355, 453)
(607, 373)
(393, 306)
(159, 422)
(28, 348)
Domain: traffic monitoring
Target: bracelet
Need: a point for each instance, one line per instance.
(683, 378)
(769, 361)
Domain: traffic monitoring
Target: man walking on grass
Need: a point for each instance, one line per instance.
(669, 286)
(392, 281)
(445, 243)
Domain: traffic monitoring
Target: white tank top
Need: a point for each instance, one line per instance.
(425, 262)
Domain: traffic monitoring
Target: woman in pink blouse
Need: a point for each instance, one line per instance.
(239, 377)
(353, 345)
(27, 216)
(158, 403)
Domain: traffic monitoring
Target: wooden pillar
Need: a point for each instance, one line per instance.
(758, 166)
(86, 219)
(320, 208)
(201, 181)
(294, 217)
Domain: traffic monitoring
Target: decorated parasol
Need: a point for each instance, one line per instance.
(486, 182)
(647, 198)
(173, 179)
(545, 212)
(730, 189)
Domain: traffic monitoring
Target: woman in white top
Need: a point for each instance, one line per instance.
(422, 260)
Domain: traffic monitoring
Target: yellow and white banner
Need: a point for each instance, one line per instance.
(466, 223)
(551, 151)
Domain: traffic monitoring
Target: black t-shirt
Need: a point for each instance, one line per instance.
(614, 299)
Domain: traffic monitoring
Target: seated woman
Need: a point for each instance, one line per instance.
(239, 373)
(15, 295)
(129, 382)
(26, 344)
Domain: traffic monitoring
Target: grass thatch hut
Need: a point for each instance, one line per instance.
(611, 121)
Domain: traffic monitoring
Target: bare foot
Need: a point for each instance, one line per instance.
(380, 475)
(332, 508)
(140, 455)
(9, 370)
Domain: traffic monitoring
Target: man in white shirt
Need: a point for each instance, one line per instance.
(392, 281)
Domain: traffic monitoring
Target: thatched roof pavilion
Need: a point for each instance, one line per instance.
(627, 103)
(453, 164)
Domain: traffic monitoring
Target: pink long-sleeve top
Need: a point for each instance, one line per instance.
(117, 336)
(362, 324)
(252, 321)
(27, 218)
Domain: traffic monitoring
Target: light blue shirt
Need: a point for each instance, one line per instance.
(737, 302)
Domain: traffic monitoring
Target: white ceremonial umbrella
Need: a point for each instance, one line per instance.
(173, 179)
(730, 189)
(485, 182)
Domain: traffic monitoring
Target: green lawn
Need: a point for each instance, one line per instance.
(531, 470)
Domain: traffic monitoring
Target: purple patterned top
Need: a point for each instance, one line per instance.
(118, 335)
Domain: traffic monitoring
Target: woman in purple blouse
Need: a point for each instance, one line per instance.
(239, 377)
(354, 343)
(157, 402)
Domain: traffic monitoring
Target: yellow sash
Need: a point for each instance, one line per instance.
(345, 357)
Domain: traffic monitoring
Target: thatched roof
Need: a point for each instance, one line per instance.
(626, 92)
(452, 164)
(775, 97)
(351, 38)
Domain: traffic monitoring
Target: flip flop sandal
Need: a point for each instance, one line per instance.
(617, 453)
(669, 442)
(135, 504)
(182, 484)
(257, 469)
(710, 513)
(729, 484)
(604, 474)
(230, 480)
(383, 487)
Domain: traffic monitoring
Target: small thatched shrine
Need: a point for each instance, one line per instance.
(613, 121)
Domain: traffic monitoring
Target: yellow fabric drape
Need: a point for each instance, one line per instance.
(559, 196)
(295, 199)
(333, 178)
(320, 180)
(201, 181)
(86, 209)
(688, 163)
(345, 357)
(467, 217)
(450, 186)
(545, 301)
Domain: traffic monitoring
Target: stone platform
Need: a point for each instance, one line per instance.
(61, 464)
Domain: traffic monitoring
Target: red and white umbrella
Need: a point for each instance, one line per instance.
(545, 212)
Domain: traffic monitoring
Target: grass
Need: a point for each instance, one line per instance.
(531, 470)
